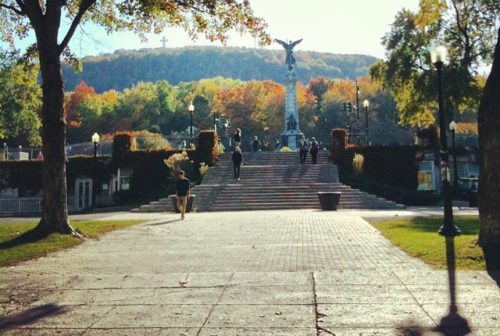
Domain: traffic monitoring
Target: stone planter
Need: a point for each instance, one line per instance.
(329, 200)
(189, 206)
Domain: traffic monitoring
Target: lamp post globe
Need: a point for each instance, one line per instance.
(439, 57)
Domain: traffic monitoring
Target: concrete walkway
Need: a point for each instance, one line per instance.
(300, 272)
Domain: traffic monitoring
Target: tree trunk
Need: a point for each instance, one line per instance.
(489, 174)
(54, 202)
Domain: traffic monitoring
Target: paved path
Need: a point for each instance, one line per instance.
(242, 273)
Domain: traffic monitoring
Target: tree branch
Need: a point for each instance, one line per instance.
(18, 11)
(84, 6)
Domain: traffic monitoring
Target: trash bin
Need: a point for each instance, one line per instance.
(329, 200)
(189, 206)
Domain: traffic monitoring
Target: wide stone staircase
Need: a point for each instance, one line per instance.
(271, 180)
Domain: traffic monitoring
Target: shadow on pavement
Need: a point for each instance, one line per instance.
(452, 324)
(29, 316)
(165, 222)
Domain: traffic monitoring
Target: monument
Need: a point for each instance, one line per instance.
(291, 133)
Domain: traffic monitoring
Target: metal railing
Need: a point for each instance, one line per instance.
(26, 205)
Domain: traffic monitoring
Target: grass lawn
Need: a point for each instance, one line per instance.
(419, 238)
(14, 247)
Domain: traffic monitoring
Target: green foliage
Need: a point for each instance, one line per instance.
(150, 141)
(18, 245)
(106, 72)
(418, 237)
(20, 101)
(207, 149)
(467, 28)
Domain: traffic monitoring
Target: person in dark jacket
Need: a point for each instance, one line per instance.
(182, 190)
(303, 148)
(237, 161)
(237, 138)
(314, 150)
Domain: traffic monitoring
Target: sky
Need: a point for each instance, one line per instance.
(336, 26)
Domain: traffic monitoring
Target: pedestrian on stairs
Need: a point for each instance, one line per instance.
(256, 144)
(237, 158)
(314, 150)
(237, 138)
(182, 192)
(303, 148)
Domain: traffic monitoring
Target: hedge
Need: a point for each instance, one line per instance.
(151, 176)
(123, 143)
(339, 144)
(28, 175)
(391, 192)
(208, 148)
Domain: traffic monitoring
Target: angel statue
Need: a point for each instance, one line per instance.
(290, 60)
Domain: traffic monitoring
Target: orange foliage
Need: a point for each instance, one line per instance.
(81, 92)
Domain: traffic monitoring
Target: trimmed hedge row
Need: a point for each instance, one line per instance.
(208, 147)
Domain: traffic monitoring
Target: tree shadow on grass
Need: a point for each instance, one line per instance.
(30, 316)
(31, 236)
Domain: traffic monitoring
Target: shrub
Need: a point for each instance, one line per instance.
(179, 161)
(285, 149)
(222, 148)
(357, 163)
(151, 141)
(207, 150)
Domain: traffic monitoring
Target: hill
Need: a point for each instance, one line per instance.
(124, 68)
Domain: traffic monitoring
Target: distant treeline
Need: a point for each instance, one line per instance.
(125, 68)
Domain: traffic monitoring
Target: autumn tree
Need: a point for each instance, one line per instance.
(214, 18)
(489, 174)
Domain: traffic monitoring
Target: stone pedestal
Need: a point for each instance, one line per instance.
(291, 134)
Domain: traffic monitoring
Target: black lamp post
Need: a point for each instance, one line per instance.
(453, 128)
(191, 110)
(438, 58)
(95, 140)
(366, 105)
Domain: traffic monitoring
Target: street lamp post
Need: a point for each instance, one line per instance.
(366, 105)
(453, 128)
(448, 229)
(357, 100)
(191, 110)
(95, 140)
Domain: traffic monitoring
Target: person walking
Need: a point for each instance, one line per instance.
(303, 148)
(256, 144)
(237, 158)
(314, 150)
(182, 192)
(237, 138)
